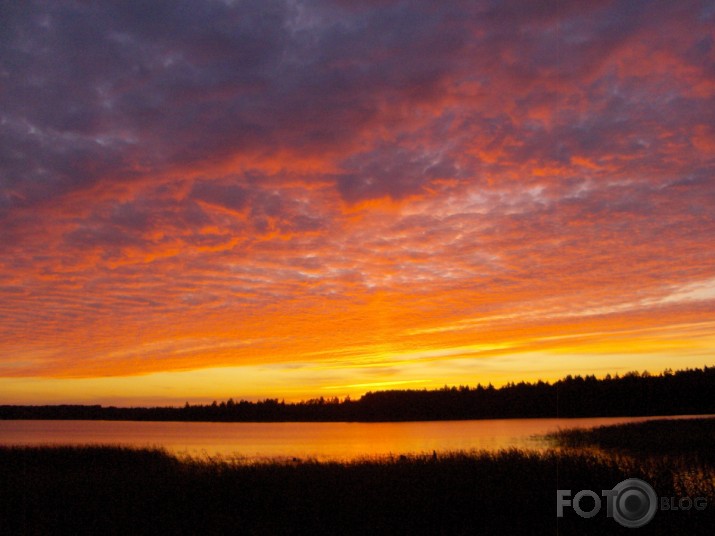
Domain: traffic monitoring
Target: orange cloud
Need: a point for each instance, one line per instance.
(429, 195)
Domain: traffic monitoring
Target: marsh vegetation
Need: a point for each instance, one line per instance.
(114, 490)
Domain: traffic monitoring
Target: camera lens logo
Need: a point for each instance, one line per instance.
(631, 503)
(634, 503)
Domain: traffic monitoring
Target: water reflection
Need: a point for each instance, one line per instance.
(322, 441)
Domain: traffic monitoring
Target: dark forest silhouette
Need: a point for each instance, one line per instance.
(690, 391)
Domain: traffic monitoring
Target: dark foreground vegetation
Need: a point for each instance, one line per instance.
(111, 490)
(689, 439)
(670, 393)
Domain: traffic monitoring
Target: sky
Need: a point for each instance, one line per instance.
(292, 199)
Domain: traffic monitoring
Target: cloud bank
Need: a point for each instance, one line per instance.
(200, 184)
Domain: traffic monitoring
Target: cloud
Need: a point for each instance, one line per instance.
(229, 196)
(331, 175)
(108, 91)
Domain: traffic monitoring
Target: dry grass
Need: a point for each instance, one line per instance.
(113, 490)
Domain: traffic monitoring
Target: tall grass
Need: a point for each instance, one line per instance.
(114, 490)
(692, 437)
(679, 453)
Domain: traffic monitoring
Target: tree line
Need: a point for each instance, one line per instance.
(689, 391)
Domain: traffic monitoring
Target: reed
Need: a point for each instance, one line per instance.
(115, 490)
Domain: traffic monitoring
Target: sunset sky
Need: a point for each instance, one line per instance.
(292, 199)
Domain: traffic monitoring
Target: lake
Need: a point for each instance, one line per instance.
(318, 440)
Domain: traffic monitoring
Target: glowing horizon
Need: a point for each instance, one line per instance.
(282, 199)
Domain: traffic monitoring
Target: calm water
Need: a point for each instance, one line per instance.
(323, 441)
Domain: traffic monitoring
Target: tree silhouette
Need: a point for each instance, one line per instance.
(687, 391)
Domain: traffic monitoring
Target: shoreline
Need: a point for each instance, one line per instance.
(116, 490)
(672, 416)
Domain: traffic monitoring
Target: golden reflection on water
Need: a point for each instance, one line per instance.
(312, 440)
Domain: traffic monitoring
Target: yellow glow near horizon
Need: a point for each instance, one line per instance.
(279, 222)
